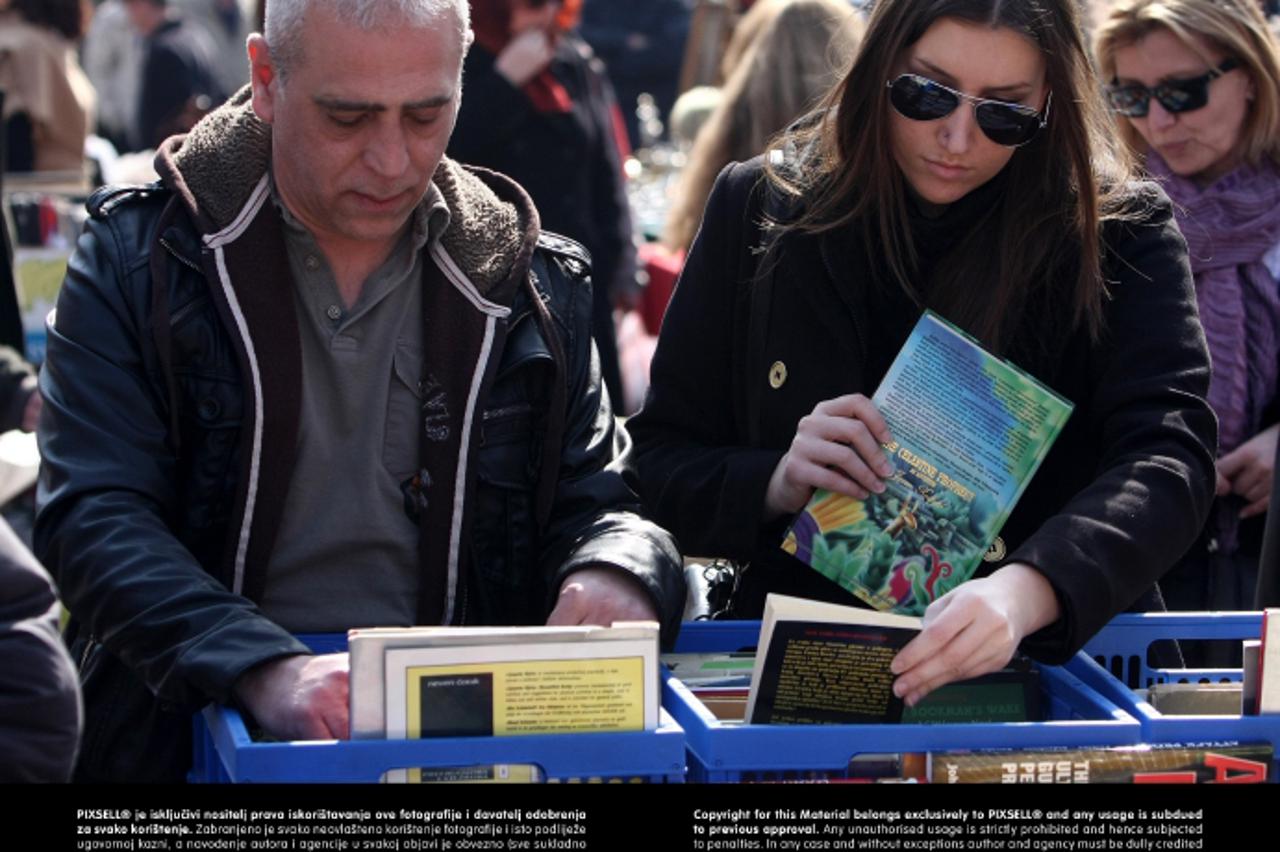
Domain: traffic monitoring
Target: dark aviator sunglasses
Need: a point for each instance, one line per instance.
(1134, 99)
(921, 99)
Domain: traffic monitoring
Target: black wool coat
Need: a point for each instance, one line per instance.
(1118, 499)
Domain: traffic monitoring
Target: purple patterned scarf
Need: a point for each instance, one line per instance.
(1229, 226)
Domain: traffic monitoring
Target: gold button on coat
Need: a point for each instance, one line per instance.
(997, 551)
(777, 375)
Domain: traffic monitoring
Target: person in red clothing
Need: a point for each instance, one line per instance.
(540, 109)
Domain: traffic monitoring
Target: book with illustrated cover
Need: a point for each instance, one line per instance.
(1209, 763)
(826, 664)
(969, 432)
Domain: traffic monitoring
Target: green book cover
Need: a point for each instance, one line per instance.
(969, 432)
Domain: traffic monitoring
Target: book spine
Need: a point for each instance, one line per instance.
(1236, 764)
(1267, 693)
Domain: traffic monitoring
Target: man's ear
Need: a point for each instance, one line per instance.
(262, 77)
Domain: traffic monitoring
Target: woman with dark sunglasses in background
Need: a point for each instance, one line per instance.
(964, 164)
(1196, 85)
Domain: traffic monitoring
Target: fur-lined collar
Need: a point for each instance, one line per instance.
(493, 225)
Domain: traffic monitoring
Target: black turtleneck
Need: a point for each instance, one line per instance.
(935, 234)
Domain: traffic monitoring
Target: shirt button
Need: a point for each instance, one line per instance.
(777, 375)
(312, 262)
(334, 313)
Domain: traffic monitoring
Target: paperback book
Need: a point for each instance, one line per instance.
(969, 432)
(1012, 694)
(369, 647)
(437, 682)
(826, 664)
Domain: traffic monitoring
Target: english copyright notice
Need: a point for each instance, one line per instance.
(1042, 830)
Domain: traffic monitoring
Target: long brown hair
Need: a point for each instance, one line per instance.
(798, 54)
(1009, 269)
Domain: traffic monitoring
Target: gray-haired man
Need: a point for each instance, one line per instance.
(320, 377)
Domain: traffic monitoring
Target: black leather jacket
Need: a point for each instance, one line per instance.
(169, 426)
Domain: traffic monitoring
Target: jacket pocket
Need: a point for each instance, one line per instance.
(404, 414)
(212, 413)
(506, 587)
(129, 735)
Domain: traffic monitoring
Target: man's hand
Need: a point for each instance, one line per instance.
(601, 596)
(299, 698)
(974, 629)
(1247, 471)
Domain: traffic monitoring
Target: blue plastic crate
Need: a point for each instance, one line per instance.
(1123, 646)
(724, 751)
(1117, 661)
(225, 753)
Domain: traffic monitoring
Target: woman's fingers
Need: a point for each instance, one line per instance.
(965, 643)
(856, 406)
(837, 447)
(974, 629)
(815, 475)
(844, 459)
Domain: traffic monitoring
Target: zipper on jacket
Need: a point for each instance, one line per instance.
(507, 410)
(88, 648)
(462, 610)
(186, 310)
(180, 257)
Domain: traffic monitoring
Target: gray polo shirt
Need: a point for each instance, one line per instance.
(346, 555)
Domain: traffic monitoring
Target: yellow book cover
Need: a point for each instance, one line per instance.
(368, 647)
(517, 689)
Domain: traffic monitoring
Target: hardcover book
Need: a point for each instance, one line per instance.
(969, 432)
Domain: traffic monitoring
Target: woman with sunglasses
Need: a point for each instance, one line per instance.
(963, 165)
(1196, 86)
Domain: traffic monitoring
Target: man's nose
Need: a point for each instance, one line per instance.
(387, 153)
